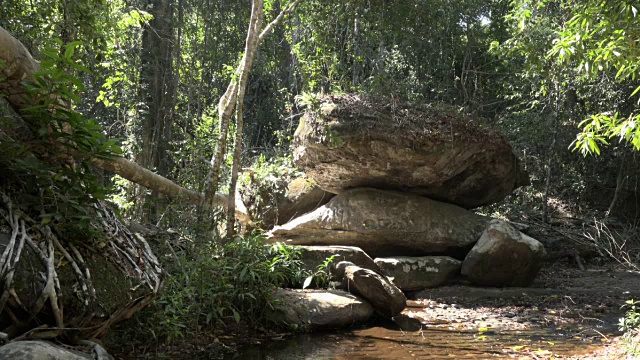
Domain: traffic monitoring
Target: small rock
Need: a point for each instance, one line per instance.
(503, 256)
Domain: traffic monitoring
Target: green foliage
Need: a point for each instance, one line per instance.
(321, 276)
(308, 101)
(631, 319)
(429, 51)
(216, 286)
(630, 324)
(264, 186)
(594, 41)
(67, 189)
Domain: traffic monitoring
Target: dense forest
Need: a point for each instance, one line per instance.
(161, 140)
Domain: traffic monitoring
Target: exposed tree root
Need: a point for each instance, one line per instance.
(130, 253)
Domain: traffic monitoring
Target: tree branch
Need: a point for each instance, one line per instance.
(267, 30)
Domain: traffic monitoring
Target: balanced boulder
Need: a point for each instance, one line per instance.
(317, 309)
(503, 256)
(417, 273)
(386, 223)
(385, 297)
(350, 142)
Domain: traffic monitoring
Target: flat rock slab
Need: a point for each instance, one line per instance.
(386, 223)
(318, 309)
(351, 141)
(503, 256)
(417, 273)
(39, 350)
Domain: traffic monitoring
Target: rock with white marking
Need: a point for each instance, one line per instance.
(417, 273)
(386, 223)
(503, 257)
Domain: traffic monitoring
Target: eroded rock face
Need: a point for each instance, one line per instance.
(351, 142)
(318, 309)
(503, 256)
(39, 350)
(386, 223)
(417, 273)
(385, 297)
(313, 256)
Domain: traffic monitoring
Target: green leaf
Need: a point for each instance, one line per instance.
(307, 282)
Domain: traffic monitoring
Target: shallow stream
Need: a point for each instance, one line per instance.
(380, 343)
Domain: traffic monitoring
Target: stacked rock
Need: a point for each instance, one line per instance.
(405, 178)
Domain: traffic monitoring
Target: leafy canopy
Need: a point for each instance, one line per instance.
(600, 37)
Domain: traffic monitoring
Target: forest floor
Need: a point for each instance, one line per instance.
(579, 309)
(567, 313)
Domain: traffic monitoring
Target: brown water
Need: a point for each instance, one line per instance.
(379, 343)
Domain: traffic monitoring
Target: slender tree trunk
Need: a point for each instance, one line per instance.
(547, 186)
(620, 180)
(555, 121)
(157, 93)
(226, 106)
(356, 51)
(257, 14)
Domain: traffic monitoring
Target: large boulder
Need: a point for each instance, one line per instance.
(503, 256)
(39, 350)
(385, 297)
(417, 273)
(274, 200)
(318, 309)
(313, 256)
(386, 223)
(350, 142)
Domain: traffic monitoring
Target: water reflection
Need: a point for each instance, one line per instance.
(380, 343)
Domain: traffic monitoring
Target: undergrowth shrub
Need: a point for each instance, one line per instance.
(630, 324)
(217, 286)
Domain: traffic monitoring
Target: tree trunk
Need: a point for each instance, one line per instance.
(228, 102)
(620, 180)
(257, 15)
(55, 286)
(157, 96)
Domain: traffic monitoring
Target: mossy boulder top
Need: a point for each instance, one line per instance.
(349, 141)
